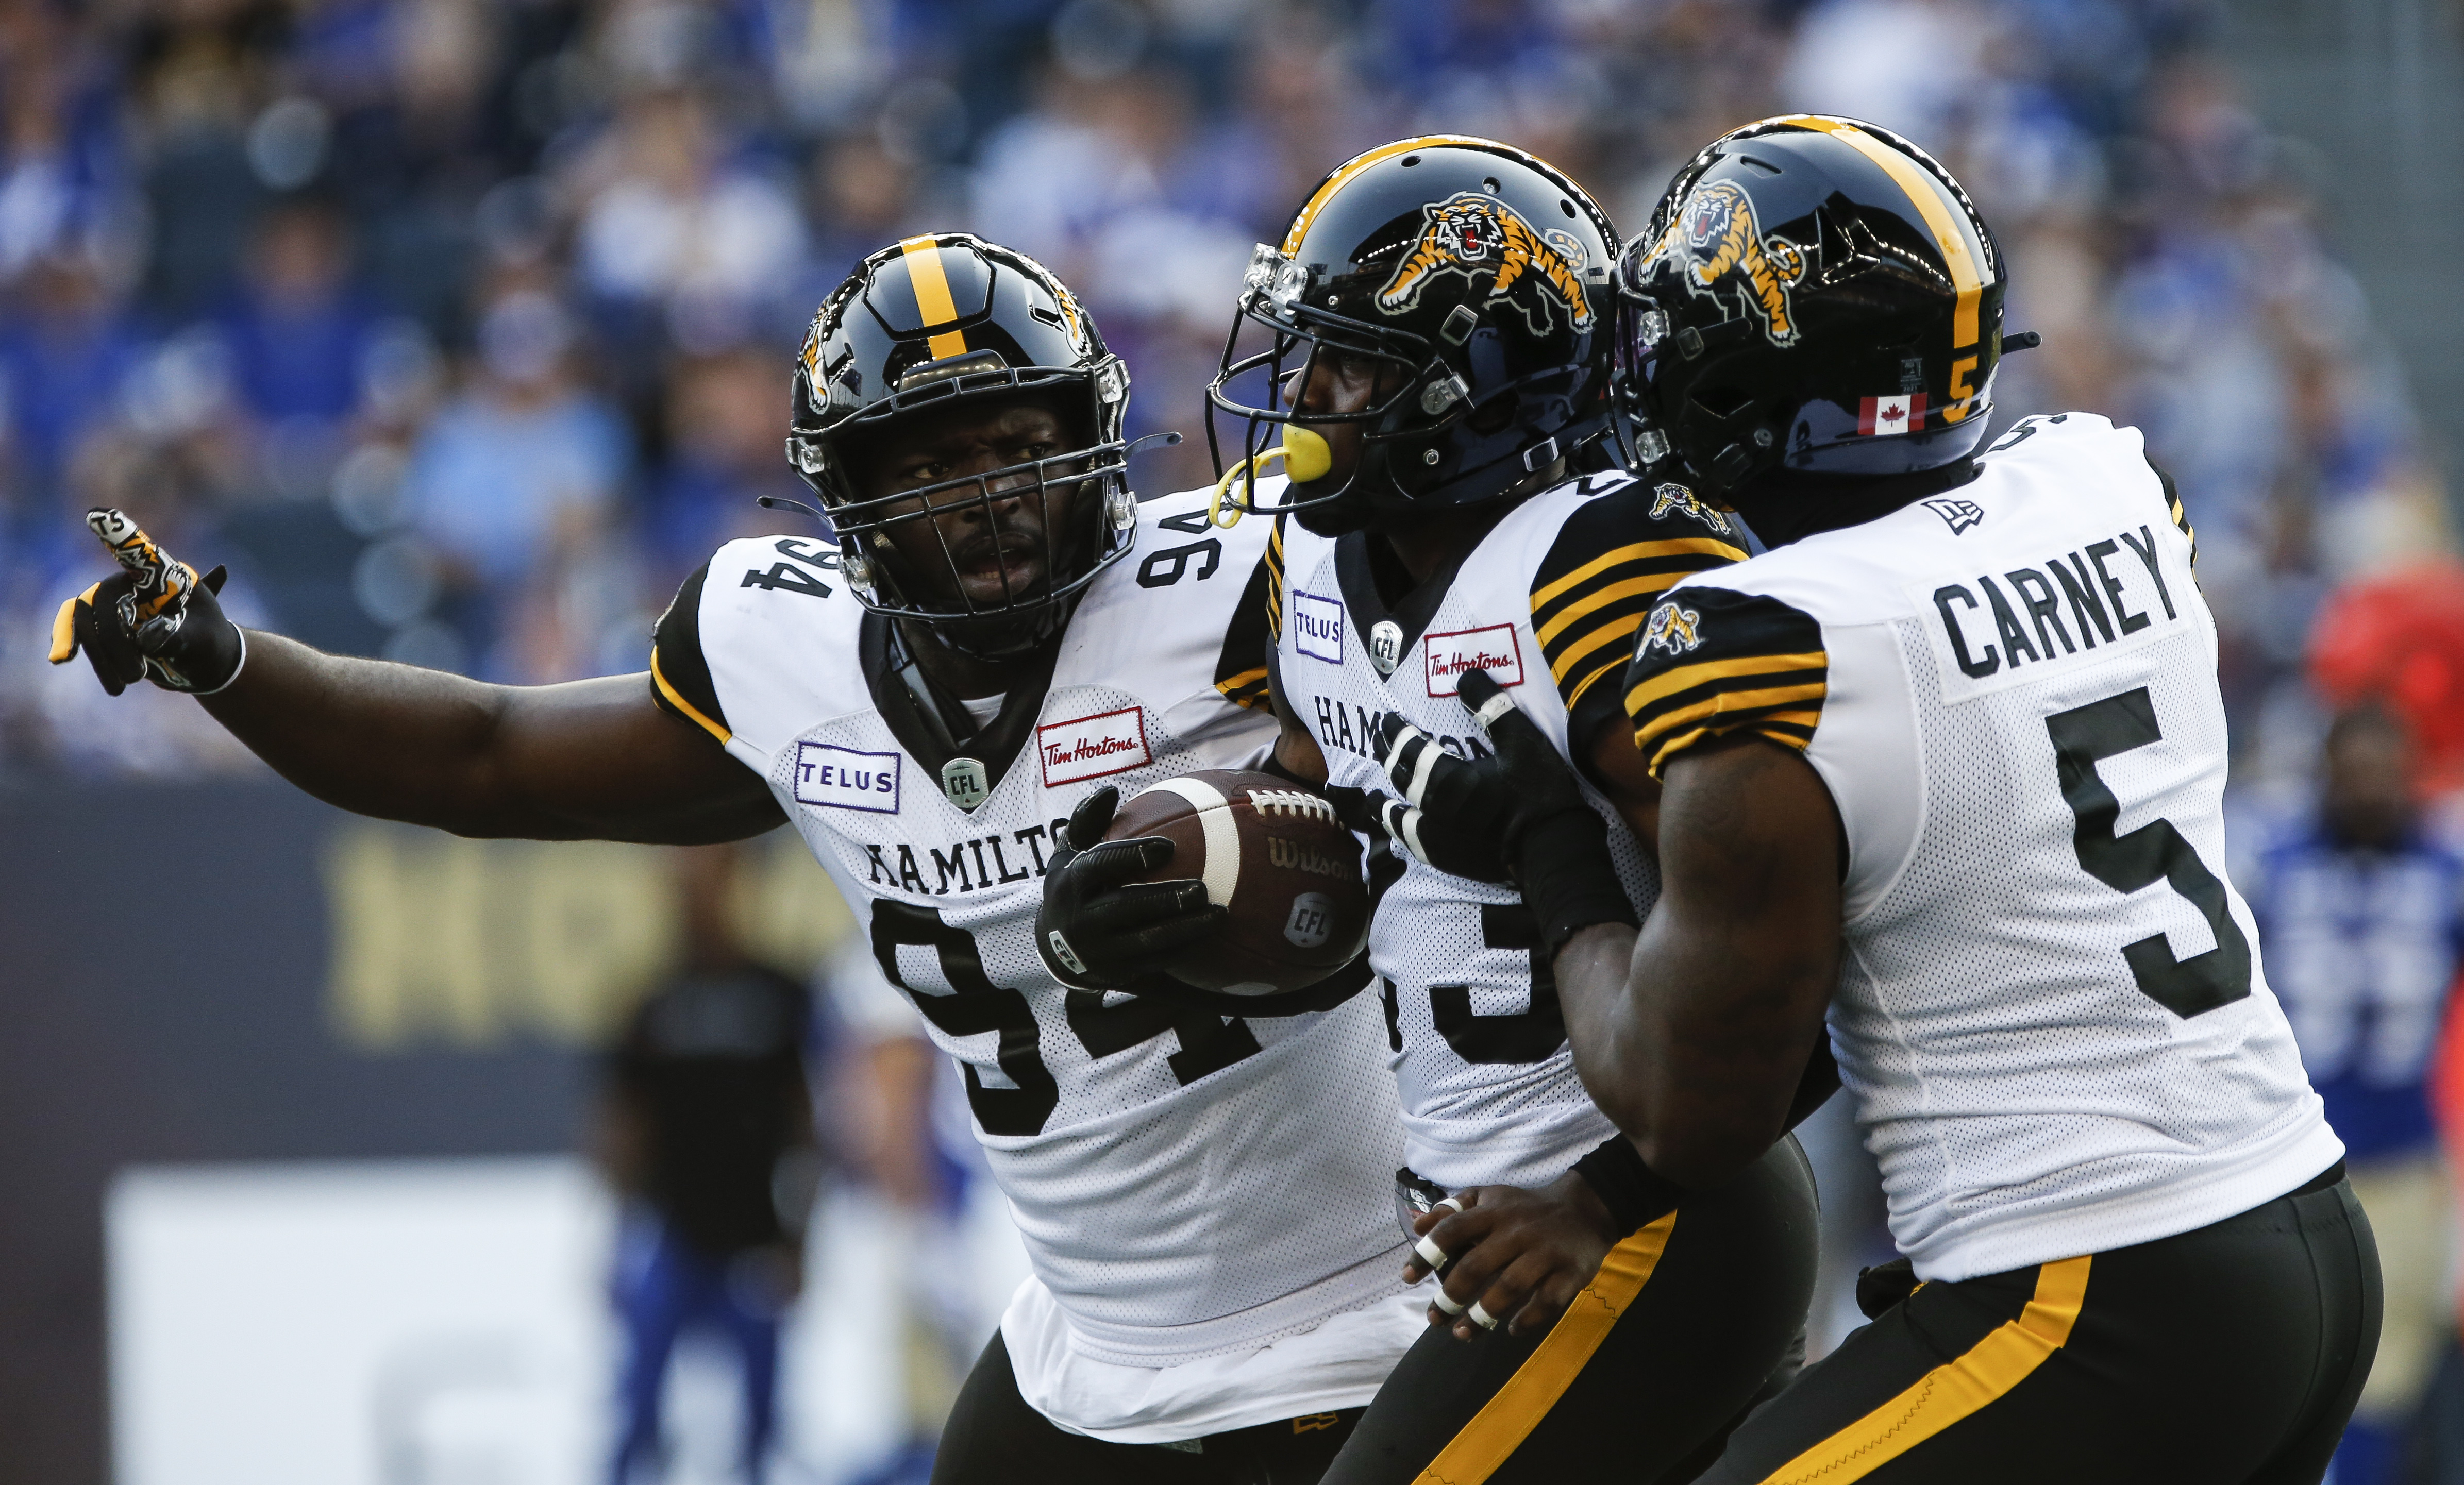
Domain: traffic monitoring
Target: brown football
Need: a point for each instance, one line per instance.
(1273, 853)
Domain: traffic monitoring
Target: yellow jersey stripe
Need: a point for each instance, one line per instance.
(1247, 680)
(1344, 172)
(1511, 1413)
(1639, 551)
(1592, 603)
(1926, 194)
(1610, 632)
(1655, 762)
(922, 256)
(1731, 702)
(1616, 663)
(1956, 1390)
(1670, 683)
(659, 678)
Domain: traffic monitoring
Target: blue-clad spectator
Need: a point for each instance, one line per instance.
(297, 328)
(517, 476)
(2361, 921)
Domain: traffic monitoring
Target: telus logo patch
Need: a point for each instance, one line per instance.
(1317, 626)
(842, 779)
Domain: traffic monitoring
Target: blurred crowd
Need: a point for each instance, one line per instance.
(460, 329)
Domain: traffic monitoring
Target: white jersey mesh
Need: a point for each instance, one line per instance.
(1466, 1122)
(2027, 1098)
(1187, 1187)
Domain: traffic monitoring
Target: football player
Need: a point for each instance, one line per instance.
(927, 698)
(1436, 312)
(1944, 767)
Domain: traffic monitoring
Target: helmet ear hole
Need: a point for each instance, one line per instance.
(1493, 416)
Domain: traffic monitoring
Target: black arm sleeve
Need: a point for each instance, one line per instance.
(680, 680)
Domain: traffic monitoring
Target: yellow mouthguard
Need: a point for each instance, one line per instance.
(1305, 457)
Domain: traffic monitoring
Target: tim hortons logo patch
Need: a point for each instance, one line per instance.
(842, 779)
(1083, 748)
(1494, 649)
(1717, 234)
(1317, 626)
(1475, 236)
(1671, 627)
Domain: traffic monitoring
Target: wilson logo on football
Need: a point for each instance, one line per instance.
(1717, 230)
(1494, 649)
(1480, 237)
(1671, 627)
(1109, 742)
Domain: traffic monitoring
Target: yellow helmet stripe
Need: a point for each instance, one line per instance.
(1344, 172)
(1950, 233)
(923, 258)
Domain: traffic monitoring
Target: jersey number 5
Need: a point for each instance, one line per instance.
(2084, 737)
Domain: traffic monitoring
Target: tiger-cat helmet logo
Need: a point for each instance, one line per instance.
(1717, 232)
(1481, 238)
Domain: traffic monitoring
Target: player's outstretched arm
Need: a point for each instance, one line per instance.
(1693, 1035)
(594, 759)
(586, 760)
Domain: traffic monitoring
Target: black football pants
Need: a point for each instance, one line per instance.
(2230, 1355)
(1691, 1321)
(993, 1438)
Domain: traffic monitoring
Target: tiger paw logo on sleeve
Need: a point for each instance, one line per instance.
(1665, 498)
(1478, 236)
(1671, 627)
(1717, 230)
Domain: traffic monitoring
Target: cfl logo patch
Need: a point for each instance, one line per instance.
(1672, 626)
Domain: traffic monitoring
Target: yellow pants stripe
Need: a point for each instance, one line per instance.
(1501, 1426)
(1952, 1391)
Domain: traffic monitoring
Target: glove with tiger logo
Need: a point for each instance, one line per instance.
(155, 619)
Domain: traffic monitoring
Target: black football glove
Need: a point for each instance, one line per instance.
(1453, 812)
(1556, 846)
(1095, 933)
(155, 619)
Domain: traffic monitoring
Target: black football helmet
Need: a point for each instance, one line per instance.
(1816, 294)
(1477, 273)
(948, 319)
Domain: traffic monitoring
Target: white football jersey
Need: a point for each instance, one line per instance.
(2052, 1013)
(1188, 1184)
(1548, 604)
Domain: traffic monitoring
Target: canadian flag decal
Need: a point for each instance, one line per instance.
(1900, 414)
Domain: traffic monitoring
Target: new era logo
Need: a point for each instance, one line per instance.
(1083, 748)
(1957, 515)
